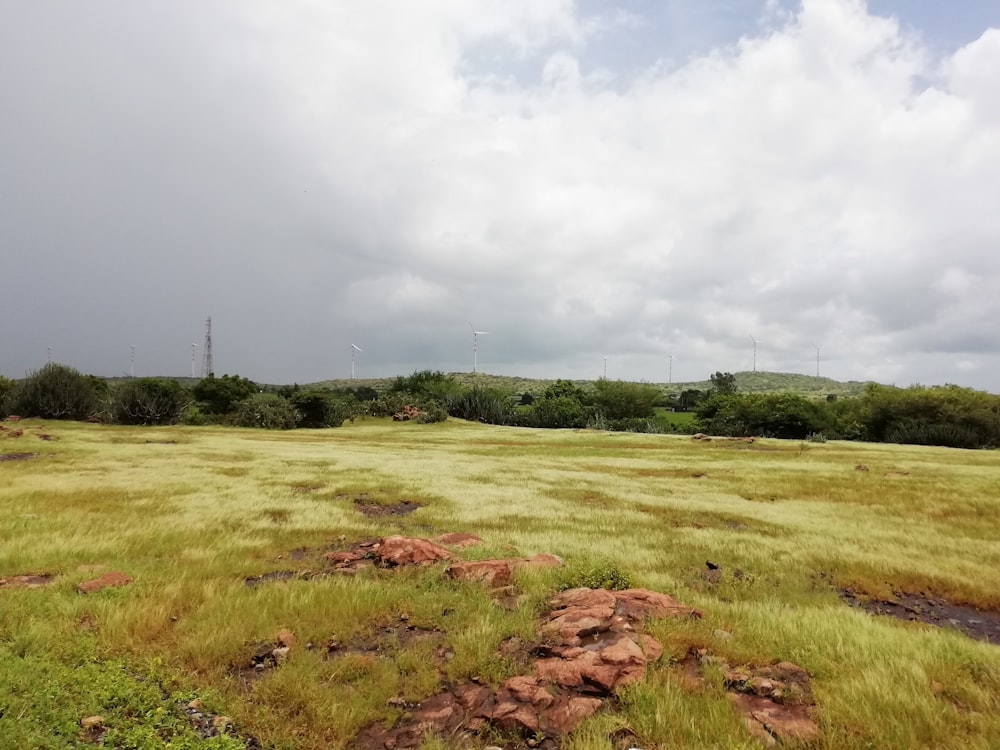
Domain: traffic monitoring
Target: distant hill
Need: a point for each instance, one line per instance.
(746, 382)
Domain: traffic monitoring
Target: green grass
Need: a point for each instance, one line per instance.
(190, 520)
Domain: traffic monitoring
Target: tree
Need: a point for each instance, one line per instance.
(266, 410)
(723, 383)
(149, 401)
(616, 399)
(55, 392)
(317, 408)
(221, 395)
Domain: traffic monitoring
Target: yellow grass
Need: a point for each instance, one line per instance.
(190, 513)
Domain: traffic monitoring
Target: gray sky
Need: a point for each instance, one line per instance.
(580, 179)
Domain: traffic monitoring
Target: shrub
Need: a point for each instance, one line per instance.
(561, 411)
(7, 387)
(268, 411)
(620, 400)
(385, 405)
(595, 574)
(222, 395)
(149, 401)
(482, 404)
(433, 414)
(317, 408)
(55, 392)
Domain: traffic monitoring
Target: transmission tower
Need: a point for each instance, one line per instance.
(207, 368)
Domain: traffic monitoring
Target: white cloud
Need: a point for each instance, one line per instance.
(825, 181)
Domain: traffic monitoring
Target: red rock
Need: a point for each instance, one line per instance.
(13, 418)
(108, 580)
(642, 603)
(26, 581)
(765, 717)
(399, 550)
(458, 541)
(541, 561)
(285, 637)
(583, 597)
(493, 573)
(569, 712)
(529, 690)
(15, 433)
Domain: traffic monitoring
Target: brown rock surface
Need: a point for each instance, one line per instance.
(493, 573)
(27, 581)
(399, 550)
(458, 541)
(113, 579)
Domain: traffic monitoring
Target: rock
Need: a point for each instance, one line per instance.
(27, 581)
(285, 637)
(568, 713)
(344, 556)
(642, 603)
(398, 550)
(91, 722)
(541, 561)
(723, 635)
(493, 573)
(407, 413)
(113, 579)
(458, 541)
(280, 654)
(769, 720)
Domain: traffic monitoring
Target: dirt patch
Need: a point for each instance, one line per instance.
(931, 610)
(305, 488)
(16, 456)
(388, 639)
(275, 575)
(27, 581)
(161, 442)
(375, 510)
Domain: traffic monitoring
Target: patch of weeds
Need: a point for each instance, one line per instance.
(277, 515)
(597, 574)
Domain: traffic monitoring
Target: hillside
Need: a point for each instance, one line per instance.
(746, 382)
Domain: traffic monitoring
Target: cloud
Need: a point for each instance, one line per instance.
(381, 173)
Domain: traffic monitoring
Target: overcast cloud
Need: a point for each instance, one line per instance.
(629, 179)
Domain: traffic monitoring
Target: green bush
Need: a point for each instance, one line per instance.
(268, 411)
(561, 411)
(595, 574)
(55, 392)
(7, 387)
(433, 414)
(617, 399)
(222, 395)
(149, 401)
(317, 408)
(482, 404)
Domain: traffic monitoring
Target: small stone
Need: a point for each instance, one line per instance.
(108, 580)
(91, 722)
(723, 635)
(285, 637)
(194, 705)
(221, 722)
(280, 654)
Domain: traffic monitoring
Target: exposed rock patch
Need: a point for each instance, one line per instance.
(931, 610)
(498, 573)
(113, 579)
(376, 510)
(16, 456)
(408, 413)
(458, 541)
(775, 702)
(591, 645)
(27, 581)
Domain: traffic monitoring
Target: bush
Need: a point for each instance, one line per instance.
(481, 404)
(318, 408)
(149, 401)
(268, 411)
(433, 414)
(222, 395)
(595, 574)
(7, 387)
(55, 392)
(620, 400)
(561, 411)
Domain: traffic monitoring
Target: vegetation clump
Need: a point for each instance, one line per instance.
(55, 391)
(267, 411)
(149, 401)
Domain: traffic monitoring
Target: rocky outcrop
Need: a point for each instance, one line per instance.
(113, 579)
(498, 573)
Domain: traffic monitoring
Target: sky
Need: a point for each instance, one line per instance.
(630, 182)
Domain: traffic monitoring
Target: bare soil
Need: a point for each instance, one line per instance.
(374, 510)
(931, 610)
(16, 456)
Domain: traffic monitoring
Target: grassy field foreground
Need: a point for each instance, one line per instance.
(192, 513)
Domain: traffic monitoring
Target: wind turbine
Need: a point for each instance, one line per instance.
(605, 366)
(817, 359)
(475, 344)
(670, 368)
(755, 342)
(354, 354)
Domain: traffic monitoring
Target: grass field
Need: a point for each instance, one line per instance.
(191, 513)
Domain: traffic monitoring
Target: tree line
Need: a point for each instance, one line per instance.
(940, 415)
